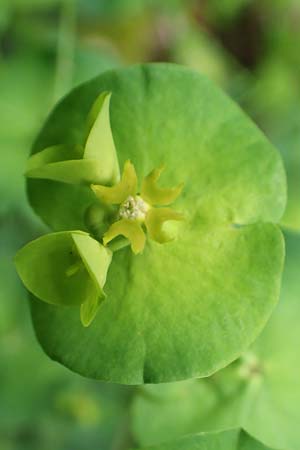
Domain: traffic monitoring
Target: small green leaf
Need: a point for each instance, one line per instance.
(81, 171)
(43, 266)
(70, 163)
(222, 440)
(100, 143)
(54, 154)
(65, 164)
(67, 268)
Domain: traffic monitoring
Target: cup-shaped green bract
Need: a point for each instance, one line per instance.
(222, 440)
(260, 391)
(66, 269)
(188, 307)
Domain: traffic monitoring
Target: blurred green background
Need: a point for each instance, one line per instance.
(250, 48)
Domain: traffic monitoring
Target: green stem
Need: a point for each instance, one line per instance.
(65, 49)
(96, 221)
(73, 269)
(123, 439)
(118, 244)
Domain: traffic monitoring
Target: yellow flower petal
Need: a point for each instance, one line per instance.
(120, 192)
(156, 195)
(155, 219)
(131, 229)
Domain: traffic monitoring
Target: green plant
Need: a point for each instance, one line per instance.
(191, 299)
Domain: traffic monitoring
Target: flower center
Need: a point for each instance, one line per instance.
(134, 208)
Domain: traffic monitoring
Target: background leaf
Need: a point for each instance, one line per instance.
(223, 440)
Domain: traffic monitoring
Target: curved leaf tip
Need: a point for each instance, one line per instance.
(99, 143)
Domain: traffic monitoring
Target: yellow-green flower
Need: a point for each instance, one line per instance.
(137, 211)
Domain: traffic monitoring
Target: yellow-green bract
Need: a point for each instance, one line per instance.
(191, 306)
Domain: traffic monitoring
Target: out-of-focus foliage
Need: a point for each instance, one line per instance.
(222, 440)
(249, 47)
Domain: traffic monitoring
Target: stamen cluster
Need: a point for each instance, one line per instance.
(134, 208)
(139, 212)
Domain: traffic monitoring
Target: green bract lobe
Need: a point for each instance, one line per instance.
(190, 306)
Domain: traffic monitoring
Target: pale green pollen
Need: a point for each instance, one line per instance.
(134, 208)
